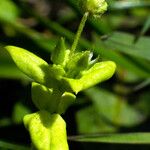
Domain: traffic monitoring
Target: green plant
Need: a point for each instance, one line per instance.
(55, 85)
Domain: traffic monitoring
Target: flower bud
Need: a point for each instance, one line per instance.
(95, 7)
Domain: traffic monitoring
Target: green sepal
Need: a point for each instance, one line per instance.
(99, 72)
(57, 71)
(66, 100)
(47, 131)
(77, 63)
(94, 61)
(60, 55)
(32, 65)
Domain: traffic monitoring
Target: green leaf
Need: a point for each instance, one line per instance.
(114, 108)
(66, 100)
(128, 138)
(127, 76)
(89, 121)
(146, 26)
(7, 68)
(48, 132)
(127, 4)
(124, 42)
(143, 103)
(19, 111)
(119, 59)
(8, 10)
(11, 146)
(4, 122)
(32, 65)
(11, 71)
(43, 99)
(98, 73)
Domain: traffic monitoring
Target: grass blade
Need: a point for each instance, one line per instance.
(127, 138)
(11, 146)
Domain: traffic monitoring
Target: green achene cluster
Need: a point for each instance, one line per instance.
(55, 86)
(95, 7)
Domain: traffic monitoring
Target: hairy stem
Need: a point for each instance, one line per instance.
(79, 31)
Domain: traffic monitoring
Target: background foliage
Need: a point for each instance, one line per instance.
(121, 104)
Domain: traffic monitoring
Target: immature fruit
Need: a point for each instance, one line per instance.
(95, 7)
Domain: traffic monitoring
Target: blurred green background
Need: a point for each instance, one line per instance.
(122, 34)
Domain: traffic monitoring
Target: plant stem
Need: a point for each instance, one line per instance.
(79, 31)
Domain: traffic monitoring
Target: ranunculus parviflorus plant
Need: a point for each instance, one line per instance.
(55, 86)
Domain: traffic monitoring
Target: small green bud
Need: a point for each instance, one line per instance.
(78, 62)
(60, 54)
(95, 7)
